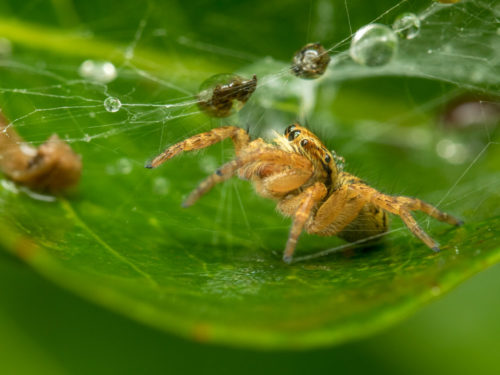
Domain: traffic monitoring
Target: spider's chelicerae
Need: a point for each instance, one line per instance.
(300, 173)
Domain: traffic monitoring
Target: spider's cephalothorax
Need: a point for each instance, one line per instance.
(302, 141)
(299, 172)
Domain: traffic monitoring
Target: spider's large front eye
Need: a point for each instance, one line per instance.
(293, 135)
(289, 129)
(304, 142)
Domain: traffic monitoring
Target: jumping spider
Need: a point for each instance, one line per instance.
(300, 173)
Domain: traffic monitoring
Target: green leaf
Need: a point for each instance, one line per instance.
(213, 272)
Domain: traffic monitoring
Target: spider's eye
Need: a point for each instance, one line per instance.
(327, 158)
(289, 129)
(304, 142)
(293, 135)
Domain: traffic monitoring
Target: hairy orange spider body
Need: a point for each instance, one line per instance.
(300, 173)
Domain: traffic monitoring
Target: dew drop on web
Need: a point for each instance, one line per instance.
(373, 45)
(112, 104)
(407, 25)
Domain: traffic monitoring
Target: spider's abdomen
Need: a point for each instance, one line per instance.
(370, 221)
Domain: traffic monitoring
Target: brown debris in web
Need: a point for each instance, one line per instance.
(52, 167)
(224, 94)
(311, 61)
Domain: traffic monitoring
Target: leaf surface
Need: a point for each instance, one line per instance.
(213, 272)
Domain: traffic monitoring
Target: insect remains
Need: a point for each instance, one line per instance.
(52, 167)
(303, 177)
(311, 61)
(224, 94)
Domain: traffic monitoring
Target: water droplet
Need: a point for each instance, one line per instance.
(112, 104)
(429, 51)
(87, 138)
(99, 71)
(457, 251)
(407, 25)
(5, 48)
(373, 45)
(224, 94)
(454, 152)
(124, 166)
(161, 186)
(311, 61)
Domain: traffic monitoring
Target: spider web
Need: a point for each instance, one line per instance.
(454, 58)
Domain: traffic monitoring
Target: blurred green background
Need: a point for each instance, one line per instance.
(46, 329)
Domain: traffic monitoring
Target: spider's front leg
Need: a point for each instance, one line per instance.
(239, 137)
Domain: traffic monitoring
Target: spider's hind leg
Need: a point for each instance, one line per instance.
(417, 230)
(403, 205)
(415, 204)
